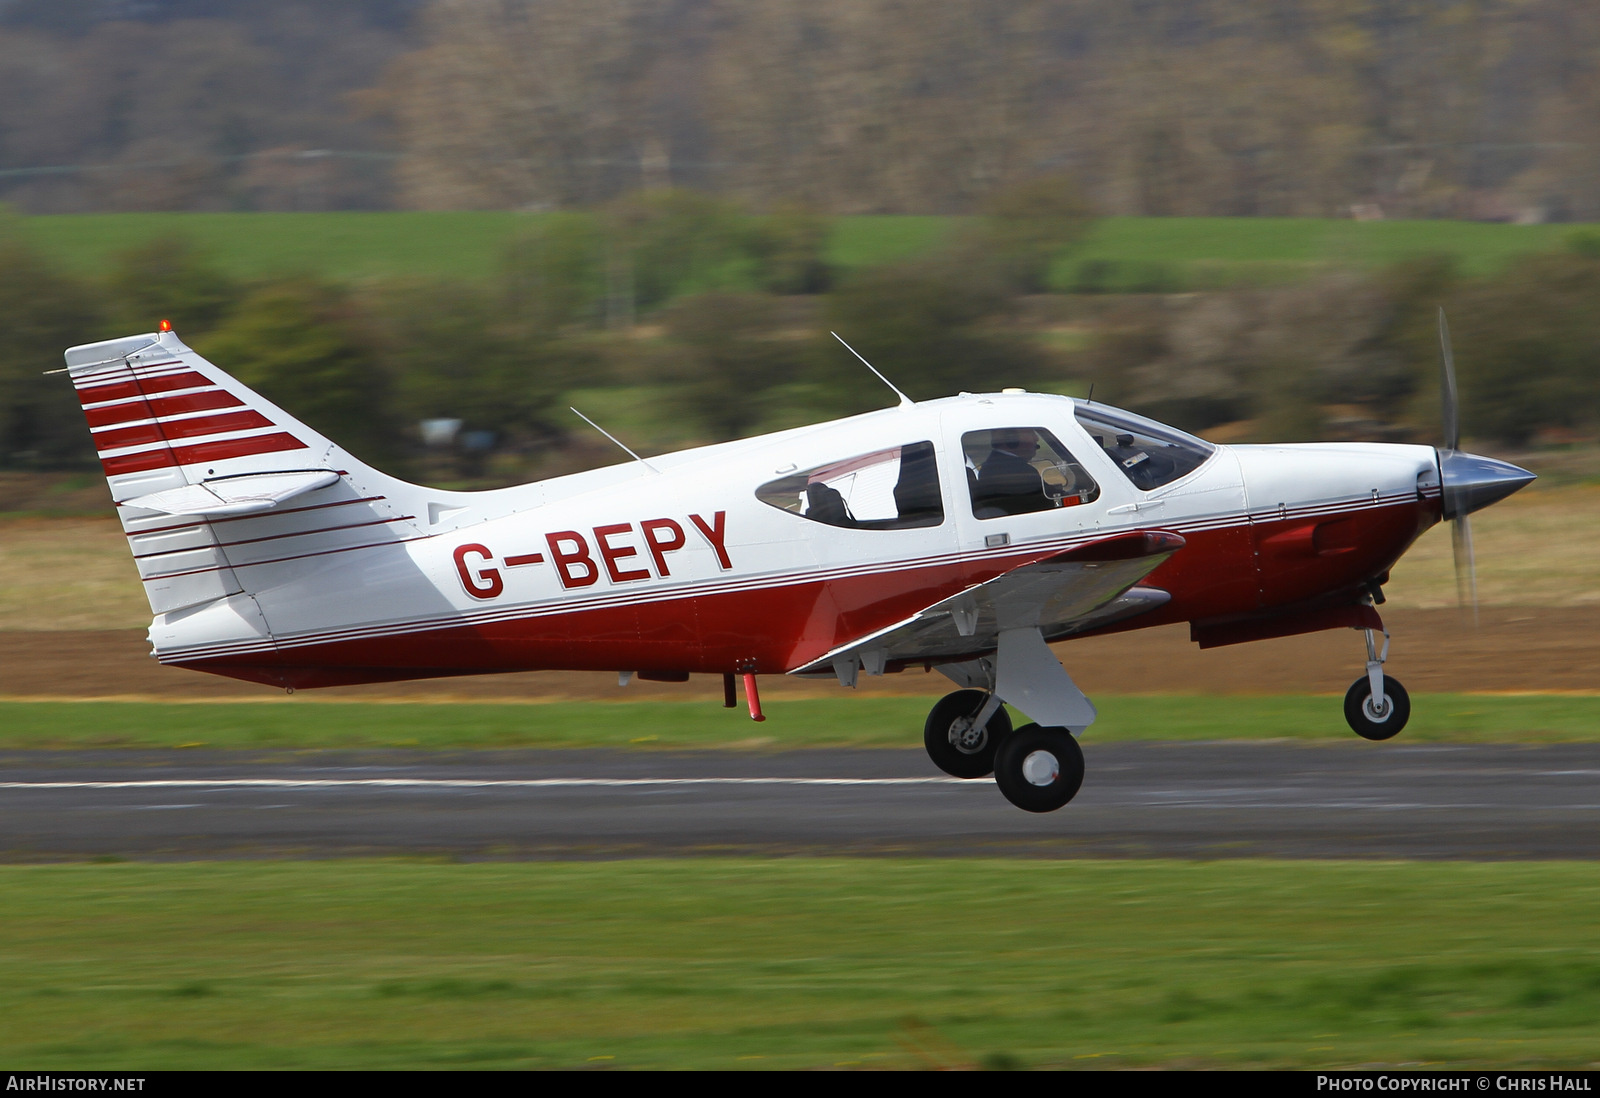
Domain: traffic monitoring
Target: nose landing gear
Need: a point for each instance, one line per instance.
(1376, 707)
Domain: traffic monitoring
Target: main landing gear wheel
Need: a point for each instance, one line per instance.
(956, 743)
(1377, 722)
(1039, 769)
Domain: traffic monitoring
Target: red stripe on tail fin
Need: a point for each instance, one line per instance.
(199, 427)
(200, 452)
(162, 406)
(145, 386)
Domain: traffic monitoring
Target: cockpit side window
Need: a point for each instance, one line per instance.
(1150, 454)
(1016, 470)
(894, 489)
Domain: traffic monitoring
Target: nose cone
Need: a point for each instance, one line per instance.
(1472, 482)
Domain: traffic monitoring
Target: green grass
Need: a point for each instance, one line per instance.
(1180, 253)
(1142, 252)
(872, 239)
(458, 245)
(443, 244)
(812, 722)
(792, 963)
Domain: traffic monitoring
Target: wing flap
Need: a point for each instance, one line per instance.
(1060, 594)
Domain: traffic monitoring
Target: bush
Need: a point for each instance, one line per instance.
(664, 244)
(170, 279)
(1028, 226)
(730, 357)
(790, 244)
(301, 345)
(1527, 344)
(555, 273)
(41, 421)
(926, 326)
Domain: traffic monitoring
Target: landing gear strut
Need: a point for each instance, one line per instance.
(963, 732)
(1376, 707)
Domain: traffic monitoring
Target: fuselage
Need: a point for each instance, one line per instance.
(699, 561)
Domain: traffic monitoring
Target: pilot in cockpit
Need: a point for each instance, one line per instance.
(1008, 483)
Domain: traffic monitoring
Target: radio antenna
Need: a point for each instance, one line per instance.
(613, 438)
(905, 401)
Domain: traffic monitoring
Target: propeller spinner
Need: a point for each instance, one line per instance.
(1470, 482)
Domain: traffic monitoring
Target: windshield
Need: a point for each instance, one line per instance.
(1150, 454)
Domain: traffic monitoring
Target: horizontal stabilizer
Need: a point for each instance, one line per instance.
(235, 495)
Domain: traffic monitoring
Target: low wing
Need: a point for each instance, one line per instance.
(1061, 594)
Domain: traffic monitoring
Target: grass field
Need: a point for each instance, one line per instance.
(1214, 252)
(292, 723)
(1177, 253)
(794, 963)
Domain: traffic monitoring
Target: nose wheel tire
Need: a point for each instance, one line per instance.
(1375, 722)
(955, 743)
(1039, 769)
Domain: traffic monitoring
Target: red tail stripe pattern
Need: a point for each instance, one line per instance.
(200, 452)
(181, 428)
(127, 390)
(162, 406)
(128, 436)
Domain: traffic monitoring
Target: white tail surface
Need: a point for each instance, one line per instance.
(212, 480)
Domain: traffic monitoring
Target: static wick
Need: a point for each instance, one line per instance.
(905, 401)
(613, 438)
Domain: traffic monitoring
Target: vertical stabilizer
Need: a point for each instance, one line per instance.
(211, 479)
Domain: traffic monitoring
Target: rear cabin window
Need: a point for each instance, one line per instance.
(1150, 454)
(1015, 470)
(894, 489)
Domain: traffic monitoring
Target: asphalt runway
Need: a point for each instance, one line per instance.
(1210, 800)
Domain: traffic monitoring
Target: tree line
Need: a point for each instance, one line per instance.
(1398, 108)
(701, 321)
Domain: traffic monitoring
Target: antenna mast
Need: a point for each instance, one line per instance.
(613, 438)
(905, 401)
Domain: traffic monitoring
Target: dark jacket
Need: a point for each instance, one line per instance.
(1009, 485)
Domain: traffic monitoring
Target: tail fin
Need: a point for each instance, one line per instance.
(178, 437)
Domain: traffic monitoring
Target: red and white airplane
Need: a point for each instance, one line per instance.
(961, 534)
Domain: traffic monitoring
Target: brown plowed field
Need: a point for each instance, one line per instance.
(1530, 649)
